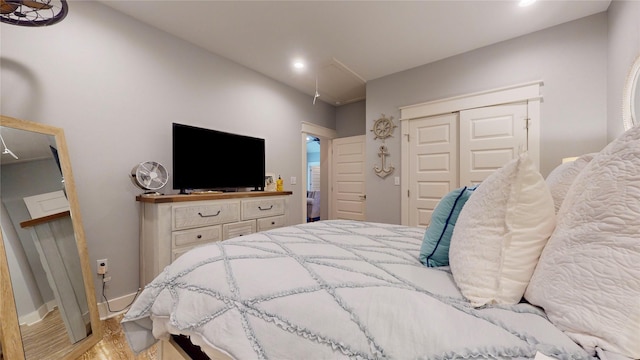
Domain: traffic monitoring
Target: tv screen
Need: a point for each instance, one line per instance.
(205, 159)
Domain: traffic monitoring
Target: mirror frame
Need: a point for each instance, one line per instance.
(10, 335)
(630, 116)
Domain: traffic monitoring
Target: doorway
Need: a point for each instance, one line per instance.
(320, 138)
(314, 203)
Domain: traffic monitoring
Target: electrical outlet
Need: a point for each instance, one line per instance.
(102, 266)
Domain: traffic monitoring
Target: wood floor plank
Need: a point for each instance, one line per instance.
(113, 345)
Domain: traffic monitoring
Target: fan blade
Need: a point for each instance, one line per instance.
(36, 5)
(158, 183)
(145, 166)
(7, 151)
(6, 8)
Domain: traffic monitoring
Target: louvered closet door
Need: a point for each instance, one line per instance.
(433, 160)
(489, 138)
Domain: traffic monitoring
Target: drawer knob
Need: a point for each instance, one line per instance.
(273, 223)
(269, 208)
(199, 236)
(204, 216)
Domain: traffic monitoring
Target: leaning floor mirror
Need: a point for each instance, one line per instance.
(47, 300)
(631, 97)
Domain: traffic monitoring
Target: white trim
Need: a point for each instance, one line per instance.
(533, 136)
(39, 314)
(504, 95)
(318, 130)
(117, 303)
(404, 172)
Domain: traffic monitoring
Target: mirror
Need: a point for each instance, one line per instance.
(631, 97)
(47, 298)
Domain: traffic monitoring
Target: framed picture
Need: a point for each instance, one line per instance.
(269, 182)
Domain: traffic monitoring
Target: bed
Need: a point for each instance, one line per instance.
(534, 268)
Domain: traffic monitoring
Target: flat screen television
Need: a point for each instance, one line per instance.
(205, 159)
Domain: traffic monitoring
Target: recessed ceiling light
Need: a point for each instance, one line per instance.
(524, 3)
(298, 64)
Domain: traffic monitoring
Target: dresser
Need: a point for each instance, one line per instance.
(170, 225)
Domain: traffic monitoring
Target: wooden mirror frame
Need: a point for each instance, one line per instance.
(630, 115)
(10, 335)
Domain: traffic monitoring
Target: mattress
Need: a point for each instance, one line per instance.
(330, 290)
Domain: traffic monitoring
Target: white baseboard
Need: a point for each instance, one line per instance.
(39, 314)
(121, 303)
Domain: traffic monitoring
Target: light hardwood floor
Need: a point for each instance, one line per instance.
(113, 345)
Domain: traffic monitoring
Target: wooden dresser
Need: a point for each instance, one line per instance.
(170, 225)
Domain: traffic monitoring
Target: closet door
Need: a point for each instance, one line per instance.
(489, 138)
(433, 160)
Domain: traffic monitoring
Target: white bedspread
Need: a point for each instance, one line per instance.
(330, 290)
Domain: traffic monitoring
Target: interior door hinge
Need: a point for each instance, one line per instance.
(407, 135)
(407, 193)
(527, 122)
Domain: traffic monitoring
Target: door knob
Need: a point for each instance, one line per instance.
(363, 197)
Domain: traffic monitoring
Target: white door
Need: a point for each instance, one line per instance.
(46, 204)
(453, 150)
(348, 178)
(433, 145)
(489, 138)
(314, 178)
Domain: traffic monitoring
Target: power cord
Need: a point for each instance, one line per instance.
(104, 295)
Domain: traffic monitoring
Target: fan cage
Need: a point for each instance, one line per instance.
(150, 175)
(33, 13)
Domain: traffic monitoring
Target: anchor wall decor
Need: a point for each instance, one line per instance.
(383, 171)
(383, 129)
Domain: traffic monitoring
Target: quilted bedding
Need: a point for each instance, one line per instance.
(329, 290)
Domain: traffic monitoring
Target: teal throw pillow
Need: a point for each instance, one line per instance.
(435, 244)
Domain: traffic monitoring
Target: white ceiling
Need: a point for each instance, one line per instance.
(26, 145)
(346, 43)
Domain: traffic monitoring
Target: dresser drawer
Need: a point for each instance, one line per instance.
(238, 229)
(259, 208)
(190, 216)
(270, 223)
(196, 236)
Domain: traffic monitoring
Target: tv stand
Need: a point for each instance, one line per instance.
(170, 225)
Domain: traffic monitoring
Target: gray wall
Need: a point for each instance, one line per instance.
(351, 119)
(570, 58)
(115, 86)
(624, 48)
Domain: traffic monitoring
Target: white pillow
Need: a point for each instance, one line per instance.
(560, 179)
(588, 277)
(500, 234)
